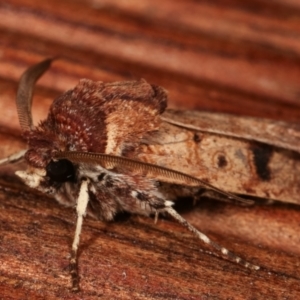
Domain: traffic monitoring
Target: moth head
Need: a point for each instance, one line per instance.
(45, 174)
(49, 179)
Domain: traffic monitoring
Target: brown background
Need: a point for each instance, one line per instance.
(232, 56)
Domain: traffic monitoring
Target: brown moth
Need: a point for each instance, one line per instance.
(112, 147)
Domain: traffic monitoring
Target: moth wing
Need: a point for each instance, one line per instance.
(102, 117)
(132, 109)
(246, 161)
(275, 133)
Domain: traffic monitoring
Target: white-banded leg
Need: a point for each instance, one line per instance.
(13, 158)
(208, 241)
(82, 202)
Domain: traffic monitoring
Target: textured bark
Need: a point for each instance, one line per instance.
(135, 259)
(227, 56)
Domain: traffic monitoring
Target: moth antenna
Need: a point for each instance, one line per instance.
(208, 241)
(159, 173)
(25, 91)
(82, 202)
(13, 158)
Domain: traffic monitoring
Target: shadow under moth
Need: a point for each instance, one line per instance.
(106, 148)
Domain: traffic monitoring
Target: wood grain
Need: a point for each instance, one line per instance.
(227, 56)
(133, 258)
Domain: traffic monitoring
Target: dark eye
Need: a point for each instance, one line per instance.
(60, 171)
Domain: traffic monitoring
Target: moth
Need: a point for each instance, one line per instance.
(106, 148)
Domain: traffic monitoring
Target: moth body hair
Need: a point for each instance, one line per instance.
(32, 179)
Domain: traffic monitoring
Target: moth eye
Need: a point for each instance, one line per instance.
(101, 176)
(60, 171)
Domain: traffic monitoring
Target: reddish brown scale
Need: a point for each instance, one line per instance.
(87, 118)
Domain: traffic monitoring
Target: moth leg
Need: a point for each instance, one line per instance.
(156, 217)
(13, 158)
(208, 241)
(81, 206)
(216, 196)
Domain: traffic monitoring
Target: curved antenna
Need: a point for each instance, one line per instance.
(25, 91)
(153, 171)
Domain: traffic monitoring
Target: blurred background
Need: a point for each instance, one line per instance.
(229, 56)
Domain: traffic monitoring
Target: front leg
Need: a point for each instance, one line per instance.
(81, 206)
